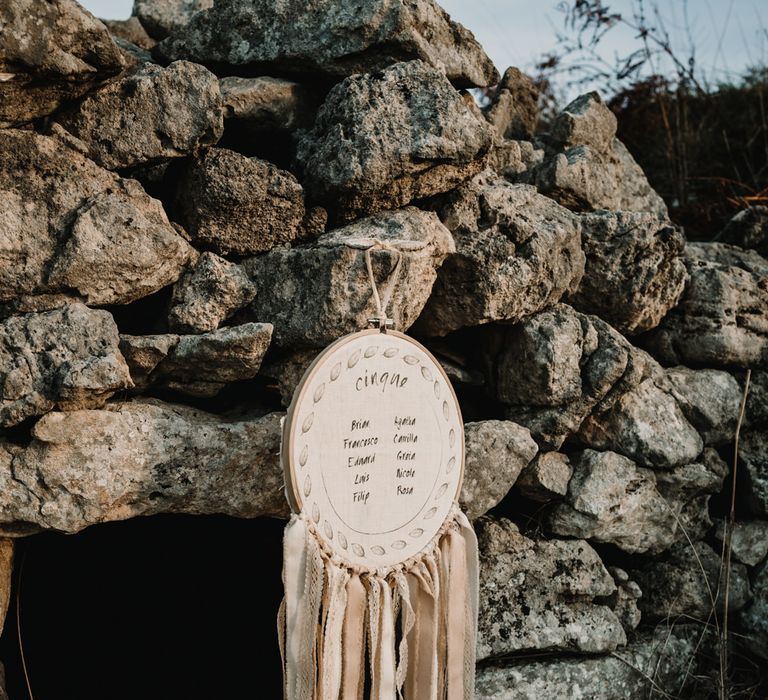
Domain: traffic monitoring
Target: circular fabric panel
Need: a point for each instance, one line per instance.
(373, 448)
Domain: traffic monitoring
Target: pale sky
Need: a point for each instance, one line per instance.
(729, 34)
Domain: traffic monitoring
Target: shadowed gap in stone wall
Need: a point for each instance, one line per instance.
(166, 597)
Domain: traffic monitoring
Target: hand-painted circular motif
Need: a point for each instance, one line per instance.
(373, 447)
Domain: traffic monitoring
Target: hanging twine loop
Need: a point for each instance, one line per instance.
(382, 300)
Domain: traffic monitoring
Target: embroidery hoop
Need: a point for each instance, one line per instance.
(399, 550)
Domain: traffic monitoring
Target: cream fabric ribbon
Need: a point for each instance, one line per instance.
(330, 610)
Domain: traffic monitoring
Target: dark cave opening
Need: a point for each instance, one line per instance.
(160, 607)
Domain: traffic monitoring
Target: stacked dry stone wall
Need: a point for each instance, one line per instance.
(183, 197)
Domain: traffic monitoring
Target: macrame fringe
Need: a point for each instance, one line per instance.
(413, 627)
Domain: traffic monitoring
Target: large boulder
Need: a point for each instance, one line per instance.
(197, 365)
(496, 453)
(163, 17)
(517, 252)
(66, 358)
(71, 227)
(382, 140)
(645, 424)
(313, 294)
(232, 204)
(330, 38)
(634, 273)
(209, 292)
(50, 52)
(689, 582)
(722, 318)
(655, 660)
(611, 499)
(540, 594)
(555, 367)
(140, 458)
(150, 115)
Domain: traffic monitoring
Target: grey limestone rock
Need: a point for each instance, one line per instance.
(634, 272)
(131, 31)
(140, 458)
(539, 594)
(50, 52)
(722, 318)
(512, 159)
(330, 38)
(546, 477)
(149, 115)
(645, 424)
(624, 600)
(685, 583)
(688, 489)
(66, 358)
(748, 229)
(232, 204)
(313, 294)
(583, 179)
(756, 409)
(209, 292)
(116, 252)
(496, 453)
(163, 17)
(749, 541)
(197, 365)
(710, 400)
(656, 659)
(586, 168)
(586, 121)
(517, 252)
(267, 104)
(72, 228)
(753, 618)
(382, 140)
(514, 109)
(555, 367)
(611, 499)
(753, 463)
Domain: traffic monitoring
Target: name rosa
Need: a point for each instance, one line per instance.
(383, 380)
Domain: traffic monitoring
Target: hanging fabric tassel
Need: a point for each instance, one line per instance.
(330, 611)
(380, 568)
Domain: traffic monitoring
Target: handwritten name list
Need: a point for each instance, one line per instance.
(392, 446)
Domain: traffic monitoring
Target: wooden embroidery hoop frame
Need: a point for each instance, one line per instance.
(288, 458)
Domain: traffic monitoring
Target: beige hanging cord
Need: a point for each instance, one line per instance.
(396, 247)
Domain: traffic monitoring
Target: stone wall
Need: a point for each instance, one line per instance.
(183, 200)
